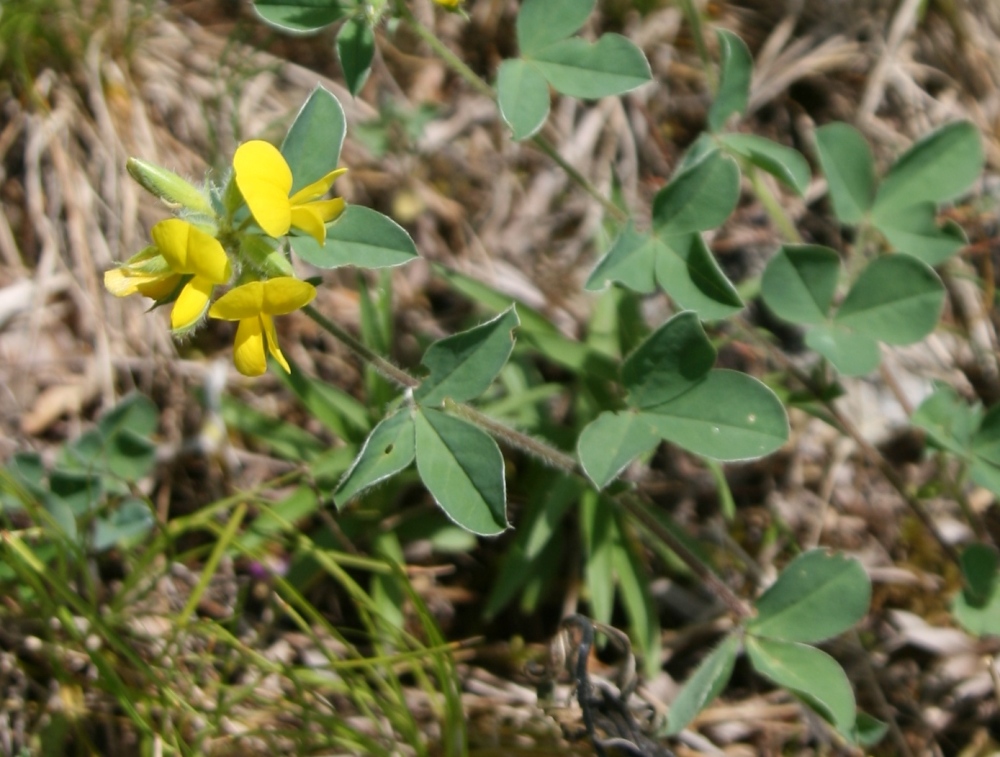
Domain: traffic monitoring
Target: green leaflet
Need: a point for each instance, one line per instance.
(808, 672)
(463, 366)
(817, 596)
(360, 237)
(312, 145)
(389, 449)
(704, 685)
(462, 468)
(735, 70)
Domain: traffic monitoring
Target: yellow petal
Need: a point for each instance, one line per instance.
(285, 294)
(317, 189)
(162, 287)
(272, 342)
(171, 238)
(248, 350)
(328, 209)
(121, 282)
(125, 281)
(206, 257)
(264, 180)
(245, 301)
(191, 303)
(307, 218)
(190, 250)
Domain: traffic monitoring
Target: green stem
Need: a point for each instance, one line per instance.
(549, 455)
(396, 375)
(549, 149)
(444, 52)
(694, 21)
(870, 452)
(772, 207)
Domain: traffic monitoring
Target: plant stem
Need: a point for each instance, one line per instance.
(772, 207)
(396, 375)
(871, 453)
(639, 509)
(554, 458)
(694, 21)
(444, 52)
(551, 456)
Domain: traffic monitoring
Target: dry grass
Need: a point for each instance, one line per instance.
(151, 82)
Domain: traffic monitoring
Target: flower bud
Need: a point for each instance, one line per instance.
(168, 186)
(265, 258)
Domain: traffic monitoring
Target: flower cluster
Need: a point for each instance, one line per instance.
(211, 247)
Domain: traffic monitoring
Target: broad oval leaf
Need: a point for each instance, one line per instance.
(462, 366)
(897, 300)
(611, 66)
(463, 470)
(300, 16)
(726, 416)
(937, 168)
(800, 281)
(668, 363)
(688, 271)
(810, 673)
(698, 198)
(986, 440)
(704, 685)
(816, 597)
(611, 442)
(735, 70)
(81, 491)
(630, 261)
(523, 97)
(784, 163)
(986, 451)
(847, 163)
(355, 50)
(312, 146)
(131, 521)
(981, 571)
(542, 22)
(948, 420)
(360, 237)
(388, 449)
(977, 606)
(915, 231)
(852, 354)
(536, 328)
(135, 413)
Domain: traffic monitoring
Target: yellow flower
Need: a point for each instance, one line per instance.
(190, 251)
(448, 3)
(145, 273)
(265, 180)
(254, 306)
(180, 250)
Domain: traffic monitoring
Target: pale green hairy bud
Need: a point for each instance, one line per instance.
(168, 186)
(265, 258)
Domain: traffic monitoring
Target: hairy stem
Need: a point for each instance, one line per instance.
(396, 375)
(549, 455)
